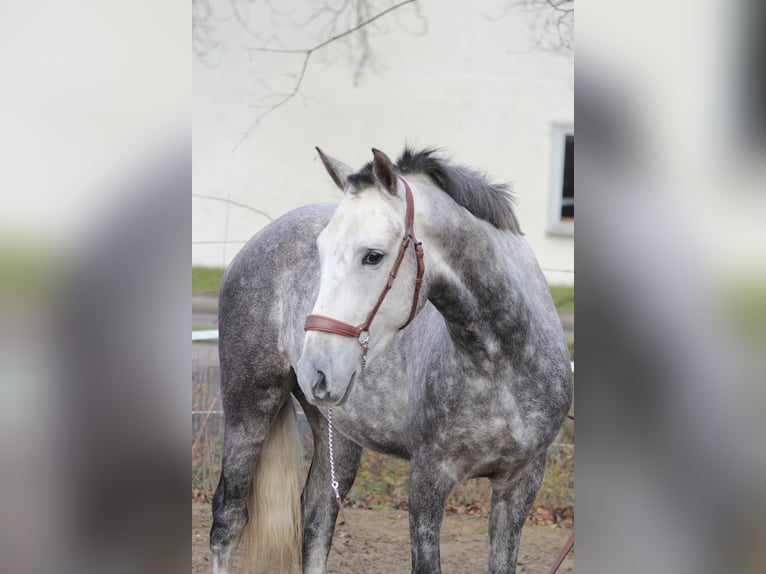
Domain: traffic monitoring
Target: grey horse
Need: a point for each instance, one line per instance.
(477, 384)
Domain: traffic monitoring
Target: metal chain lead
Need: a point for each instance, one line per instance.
(334, 485)
(333, 482)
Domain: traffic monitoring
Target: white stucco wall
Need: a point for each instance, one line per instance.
(465, 85)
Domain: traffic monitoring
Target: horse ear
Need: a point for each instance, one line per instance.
(338, 170)
(384, 171)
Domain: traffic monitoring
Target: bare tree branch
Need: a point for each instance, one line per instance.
(307, 54)
(557, 6)
(243, 21)
(552, 23)
(203, 41)
(272, 108)
(219, 25)
(337, 36)
(232, 202)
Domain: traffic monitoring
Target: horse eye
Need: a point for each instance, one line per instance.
(372, 258)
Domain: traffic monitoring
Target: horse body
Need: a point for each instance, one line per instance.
(477, 385)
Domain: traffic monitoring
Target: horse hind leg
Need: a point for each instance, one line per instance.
(230, 514)
(259, 472)
(230, 500)
(320, 509)
(511, 501)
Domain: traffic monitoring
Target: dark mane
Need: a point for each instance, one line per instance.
(469, 188)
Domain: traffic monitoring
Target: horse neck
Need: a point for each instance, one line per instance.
(474, 280)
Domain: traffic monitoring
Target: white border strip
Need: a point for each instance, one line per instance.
(208, 335)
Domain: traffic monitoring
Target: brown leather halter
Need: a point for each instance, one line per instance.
(360, 332)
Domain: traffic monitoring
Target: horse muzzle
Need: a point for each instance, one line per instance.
(321, 387)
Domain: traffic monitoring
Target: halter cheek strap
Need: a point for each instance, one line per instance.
(330, 325)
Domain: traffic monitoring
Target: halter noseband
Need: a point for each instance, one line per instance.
(360, 332)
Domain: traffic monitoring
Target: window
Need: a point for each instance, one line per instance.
(561, 200)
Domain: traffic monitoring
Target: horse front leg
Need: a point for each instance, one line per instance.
(511, 501)
(320, 509)
(428, 493)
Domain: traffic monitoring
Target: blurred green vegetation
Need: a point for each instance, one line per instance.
(28, 272)
(563, 297)
(744, 304)
(382, 482)
(206, 279)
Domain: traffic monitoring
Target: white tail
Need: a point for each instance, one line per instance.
(273, 533)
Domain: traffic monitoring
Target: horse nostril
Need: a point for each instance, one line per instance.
(319, 385)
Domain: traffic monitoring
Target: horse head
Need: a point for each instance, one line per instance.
(371, 268)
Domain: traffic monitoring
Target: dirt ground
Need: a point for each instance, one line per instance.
(383, 536)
